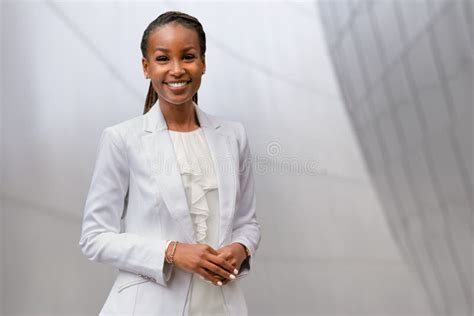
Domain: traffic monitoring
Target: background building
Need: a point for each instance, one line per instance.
(358, 116)
(405, 69)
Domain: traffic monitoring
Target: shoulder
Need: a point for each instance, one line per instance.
(228, 127)
(121, 133)
(232, 129)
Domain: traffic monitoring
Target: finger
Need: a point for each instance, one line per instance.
(216, 269)
(211, 250)
(231, 260)
(209, 277)
(216, 277)
(220, 278)
(223, 280)
(226, 255)
(225, 263)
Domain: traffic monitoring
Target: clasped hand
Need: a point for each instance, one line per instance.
(217, 266)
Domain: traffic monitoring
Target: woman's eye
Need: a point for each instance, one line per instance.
(189, 57)
(161, 58)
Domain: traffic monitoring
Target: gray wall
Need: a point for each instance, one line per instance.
(2, 152)
(405, 69)
(73, 68)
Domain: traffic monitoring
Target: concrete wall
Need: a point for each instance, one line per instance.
(1, 161)
(73, 68)
(405, 69)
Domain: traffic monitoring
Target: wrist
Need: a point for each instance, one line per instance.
(245, 251)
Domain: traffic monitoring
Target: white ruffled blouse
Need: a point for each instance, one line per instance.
(197, 172)
(200, 183)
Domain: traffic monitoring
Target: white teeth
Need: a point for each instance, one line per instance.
(177, 84)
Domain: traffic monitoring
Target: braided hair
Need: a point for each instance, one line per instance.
(165, 18)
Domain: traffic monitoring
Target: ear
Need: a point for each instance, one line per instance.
(204, 63)
(145, 67)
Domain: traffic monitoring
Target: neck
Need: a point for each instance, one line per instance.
(180, 117)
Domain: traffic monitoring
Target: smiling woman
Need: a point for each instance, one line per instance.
(181, 182)
(174, 60)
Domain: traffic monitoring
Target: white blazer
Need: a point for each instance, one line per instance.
(136, 202)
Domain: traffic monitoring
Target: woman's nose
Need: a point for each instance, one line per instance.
(177, 68)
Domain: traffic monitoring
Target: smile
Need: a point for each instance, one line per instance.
(177, 84)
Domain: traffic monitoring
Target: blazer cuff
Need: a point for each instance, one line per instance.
(167, 267)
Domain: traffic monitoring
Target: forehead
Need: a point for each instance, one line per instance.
(173, 36)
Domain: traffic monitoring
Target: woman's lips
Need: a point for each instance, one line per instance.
(177, 85)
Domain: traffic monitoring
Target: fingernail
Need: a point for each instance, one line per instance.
(232, 276)
(236, 271)
(202, 278)
(219, 283)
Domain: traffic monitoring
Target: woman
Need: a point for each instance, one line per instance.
(171, 202)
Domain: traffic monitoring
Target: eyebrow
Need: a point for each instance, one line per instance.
(167, 50)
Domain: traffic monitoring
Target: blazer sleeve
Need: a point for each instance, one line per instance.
(101, 237)
(246, 229)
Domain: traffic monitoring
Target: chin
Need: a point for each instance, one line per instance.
(178, 102)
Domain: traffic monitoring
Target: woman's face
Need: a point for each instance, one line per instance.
(174, 63)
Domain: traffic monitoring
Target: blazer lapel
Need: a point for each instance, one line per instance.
(160, 153)
(224, 168)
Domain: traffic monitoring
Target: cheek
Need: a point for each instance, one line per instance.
(157, 84)
(156, 69)
(197, 74)
(197, 79)
(157, 76)
(157, 72)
